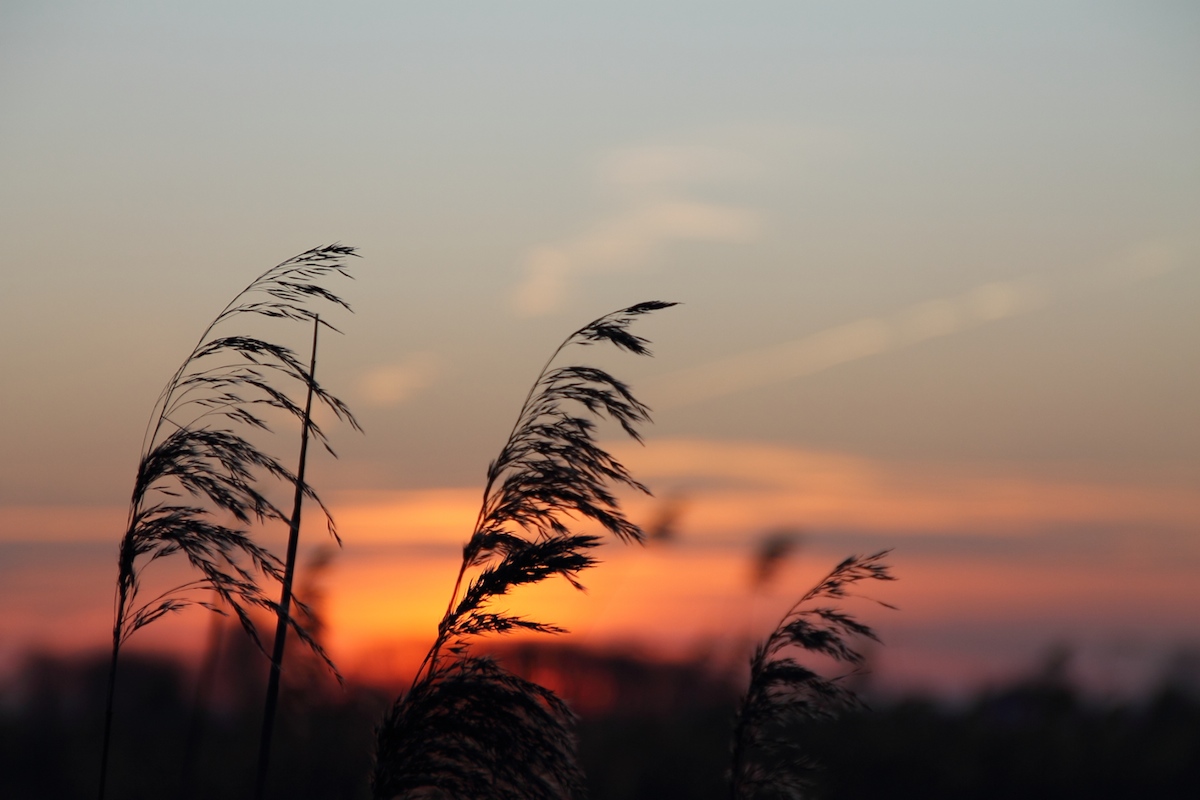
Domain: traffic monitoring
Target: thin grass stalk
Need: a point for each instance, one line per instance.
(108, 701)
(285, 600)
(125, 560)
(200, 704)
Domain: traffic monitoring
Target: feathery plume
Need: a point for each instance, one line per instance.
(783, 692)
(467, 727)
(199, 469)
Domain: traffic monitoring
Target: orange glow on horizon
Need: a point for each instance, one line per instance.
(421, 515)
(750, 486)
(388, 588)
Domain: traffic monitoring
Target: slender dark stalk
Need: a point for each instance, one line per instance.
(285, 600)
(200, 703)
(108, 705)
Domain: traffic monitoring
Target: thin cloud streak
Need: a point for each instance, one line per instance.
(990, 302)
(843, 344)
(729, 487)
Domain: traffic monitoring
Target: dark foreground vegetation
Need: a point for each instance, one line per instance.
(646, 730)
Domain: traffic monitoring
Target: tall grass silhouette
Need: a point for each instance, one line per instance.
(467, 727)
(766, 761)
(200, 479)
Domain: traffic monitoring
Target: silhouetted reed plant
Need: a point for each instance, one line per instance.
(467, 727)
(200, 481)
(784, 693)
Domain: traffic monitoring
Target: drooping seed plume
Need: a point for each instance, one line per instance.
(203, 476)
(467, 727)
(783, 692)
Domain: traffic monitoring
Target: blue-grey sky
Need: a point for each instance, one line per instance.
(940, 267)
(513, 170)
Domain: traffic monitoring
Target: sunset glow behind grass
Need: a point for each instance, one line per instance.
(937, 265)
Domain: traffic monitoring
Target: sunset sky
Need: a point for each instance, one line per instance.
(938, 265)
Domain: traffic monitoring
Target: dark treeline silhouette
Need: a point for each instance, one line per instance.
(647, 729)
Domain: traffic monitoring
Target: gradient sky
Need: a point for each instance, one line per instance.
(938, 264)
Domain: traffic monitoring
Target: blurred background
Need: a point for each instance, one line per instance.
(938, 267)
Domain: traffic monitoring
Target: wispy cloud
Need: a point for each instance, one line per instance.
(1139, 263)
(389, 385)
(1151, 259)
(657, 209)
(734, 486)
(845, 343)
(728, 488)
(660, 168)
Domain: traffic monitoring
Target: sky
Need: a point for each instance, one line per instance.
(937, 265)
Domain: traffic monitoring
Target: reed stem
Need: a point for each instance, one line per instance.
(285, 601)
(108, 709)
